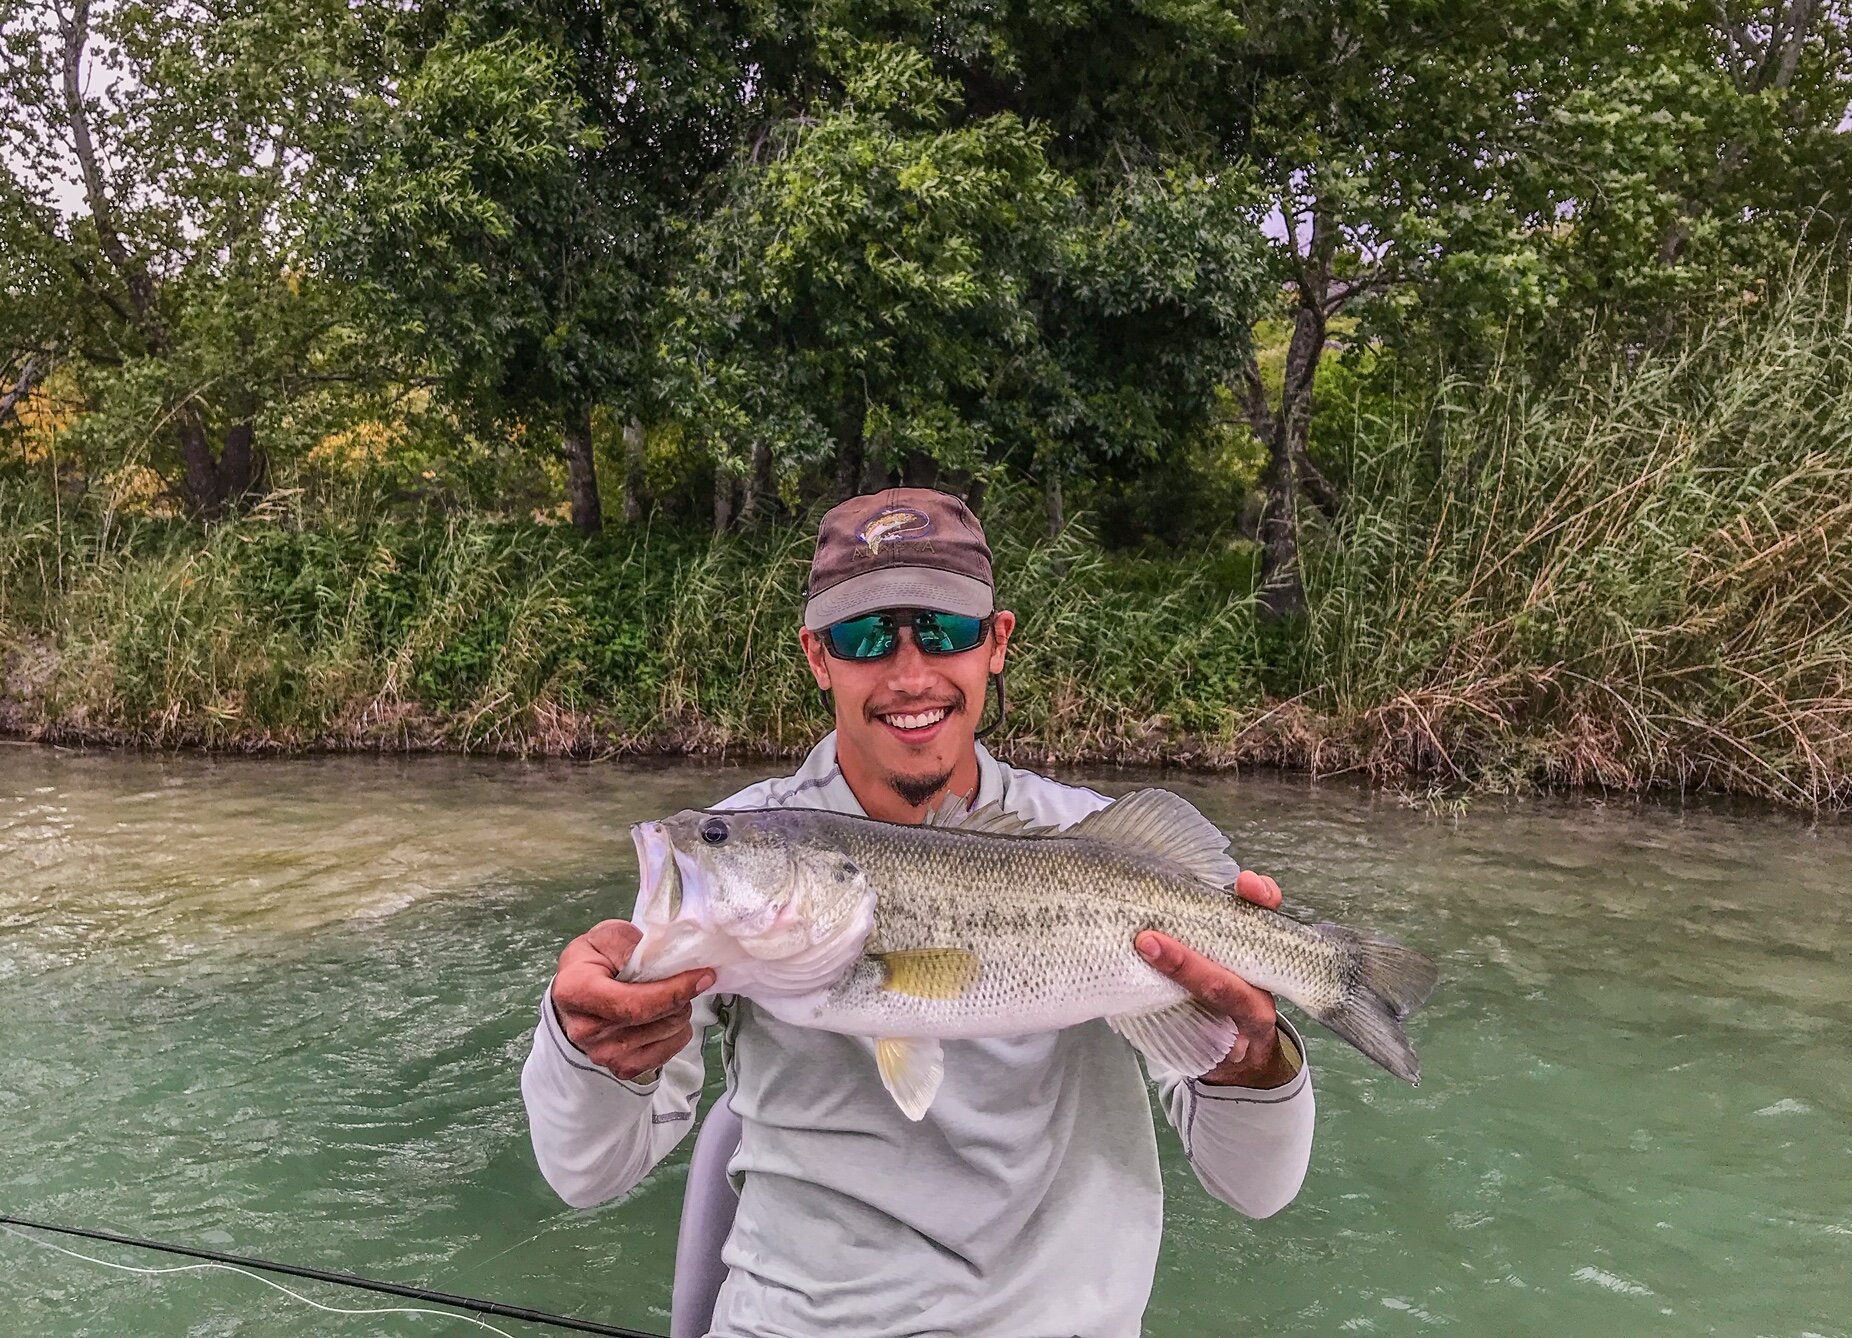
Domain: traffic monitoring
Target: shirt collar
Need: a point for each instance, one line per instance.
(822, 768)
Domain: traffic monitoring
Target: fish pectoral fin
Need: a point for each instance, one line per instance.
(929, 973)
(911, 1070)
(1186, 1038)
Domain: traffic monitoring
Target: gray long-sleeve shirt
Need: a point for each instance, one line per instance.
(1026, 1203)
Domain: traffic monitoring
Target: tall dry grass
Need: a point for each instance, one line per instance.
(1639, 577)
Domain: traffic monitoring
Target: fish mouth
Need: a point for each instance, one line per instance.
(663, 887)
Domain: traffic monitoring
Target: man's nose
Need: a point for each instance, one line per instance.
(910, 665)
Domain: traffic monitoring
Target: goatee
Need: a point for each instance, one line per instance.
(916, 790)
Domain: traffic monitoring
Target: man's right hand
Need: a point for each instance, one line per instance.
(630, 1028)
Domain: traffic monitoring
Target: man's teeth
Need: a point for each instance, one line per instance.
(920, 720)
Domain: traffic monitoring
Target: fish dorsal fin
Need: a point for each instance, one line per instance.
(992, 818)
(1166, 824)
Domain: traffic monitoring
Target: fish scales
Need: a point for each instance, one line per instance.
(1052, 923)
(978, 925)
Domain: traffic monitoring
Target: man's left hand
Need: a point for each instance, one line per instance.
(1257, 1058)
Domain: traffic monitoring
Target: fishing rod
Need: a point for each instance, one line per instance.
(476, 1304)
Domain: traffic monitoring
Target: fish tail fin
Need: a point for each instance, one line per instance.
(1383, 983)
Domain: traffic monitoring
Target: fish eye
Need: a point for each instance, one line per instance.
(714, 831)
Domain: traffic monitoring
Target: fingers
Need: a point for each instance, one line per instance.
(628, 1057)
(1252, 1009)
(1259, 889)
(587, 990)
(630, 1027)
(608, 941)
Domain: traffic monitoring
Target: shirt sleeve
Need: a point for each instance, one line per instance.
(595, 1134)
(1248, 1146)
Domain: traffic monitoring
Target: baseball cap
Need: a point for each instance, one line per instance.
(910, 548)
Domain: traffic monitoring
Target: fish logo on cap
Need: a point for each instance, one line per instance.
(895, 525)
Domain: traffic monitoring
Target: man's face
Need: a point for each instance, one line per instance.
(910, 717)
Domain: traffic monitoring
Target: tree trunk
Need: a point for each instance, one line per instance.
(581, 471)
(876, 476)
(723, 500)
(1051, 499)
(203, 487)
(1282, 592)
(240, 464)
(1286, 434)
(756, 488)
(1282, 588)
(635, 484)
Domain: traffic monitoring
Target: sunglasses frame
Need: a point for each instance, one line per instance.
(911, 620)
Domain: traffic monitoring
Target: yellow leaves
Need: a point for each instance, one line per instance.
(357, 448)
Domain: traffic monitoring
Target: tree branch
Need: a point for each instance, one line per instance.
(75, 31)
(36, 367)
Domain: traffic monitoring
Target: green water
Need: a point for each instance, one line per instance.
(280, 1008)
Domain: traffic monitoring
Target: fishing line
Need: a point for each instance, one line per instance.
(259, 1277)
(243, 1264)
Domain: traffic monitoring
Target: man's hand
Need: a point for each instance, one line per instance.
(1257, 1059)
(631, 1029)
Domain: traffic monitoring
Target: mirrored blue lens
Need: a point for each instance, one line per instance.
(866, 638)
(947, 633)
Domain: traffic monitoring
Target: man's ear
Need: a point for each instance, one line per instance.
(1003, 623)
(815, 656)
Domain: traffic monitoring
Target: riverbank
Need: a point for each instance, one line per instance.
(1636, 578)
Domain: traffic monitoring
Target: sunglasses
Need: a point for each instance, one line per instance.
(874, 636)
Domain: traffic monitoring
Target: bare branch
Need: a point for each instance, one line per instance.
(75, 30)
(1785, 46)
(36, 367)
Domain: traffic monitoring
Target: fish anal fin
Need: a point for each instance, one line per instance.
(911, 1069)
(929, 973)
(1166, 824)
(1185, 1038)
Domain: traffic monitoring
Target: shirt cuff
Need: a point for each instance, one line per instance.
(1294, 1046)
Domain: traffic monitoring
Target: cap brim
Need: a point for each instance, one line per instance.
(900, 588)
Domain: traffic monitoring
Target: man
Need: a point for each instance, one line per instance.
(1028, 1201)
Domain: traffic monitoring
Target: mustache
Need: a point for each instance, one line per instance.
(955, 706)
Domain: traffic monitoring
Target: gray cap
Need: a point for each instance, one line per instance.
(905, 548)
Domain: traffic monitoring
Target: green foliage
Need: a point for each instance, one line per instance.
(164, 220)
(899, 278)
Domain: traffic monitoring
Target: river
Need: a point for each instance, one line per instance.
(279, 1008)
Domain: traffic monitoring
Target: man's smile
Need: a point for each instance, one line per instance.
(917, 724)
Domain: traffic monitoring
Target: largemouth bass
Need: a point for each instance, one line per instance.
(978, 924)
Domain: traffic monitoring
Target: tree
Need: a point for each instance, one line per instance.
(529, 167)
(895, 287)
(155, 171)
(1453, 171)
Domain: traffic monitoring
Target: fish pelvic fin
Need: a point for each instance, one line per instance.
(1165, 824)
(911, 1069)
(1383, 983)
(1185, 1038)
(929, 973)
